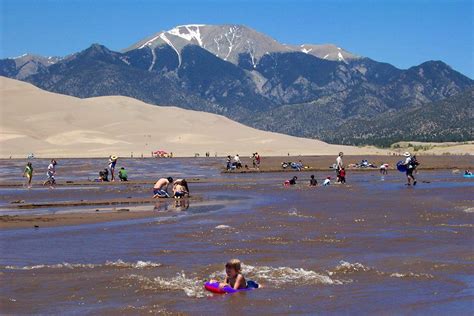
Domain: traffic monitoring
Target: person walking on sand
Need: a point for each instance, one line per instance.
(410, 163)
(28, 173)
(51, 180)
(112, 162)
(339, 167)
(160, 189)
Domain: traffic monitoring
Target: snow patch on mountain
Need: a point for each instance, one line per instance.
(167, 41)
(189, 33)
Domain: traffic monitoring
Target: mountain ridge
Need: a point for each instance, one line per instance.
(287, 90)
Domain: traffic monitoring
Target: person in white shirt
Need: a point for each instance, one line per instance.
(237, 162)
(410, 163)
(51, 173)
(339, 166)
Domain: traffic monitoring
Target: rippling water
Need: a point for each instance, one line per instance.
(371, 246)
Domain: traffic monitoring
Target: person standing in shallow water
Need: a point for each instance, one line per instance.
(28, 173)
(112, 163)
(339, 167)
(410, 163)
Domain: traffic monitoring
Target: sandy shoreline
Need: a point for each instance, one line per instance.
(38, 221)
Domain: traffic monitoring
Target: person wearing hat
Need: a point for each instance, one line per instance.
(411, 163)
(112, 162)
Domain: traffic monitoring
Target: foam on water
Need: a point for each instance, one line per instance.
(282, 275)
(222, 227)
(118, 263)
(347, 268)
(192, 287)
(469, 210)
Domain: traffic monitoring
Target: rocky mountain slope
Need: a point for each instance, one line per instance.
(307, 90)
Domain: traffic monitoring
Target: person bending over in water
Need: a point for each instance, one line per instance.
(234, 277)
(28, 173)
(180, 188)
(313, 182)
(160, 189)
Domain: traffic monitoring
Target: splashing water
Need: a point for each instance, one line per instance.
(191, 287)
(118, 263)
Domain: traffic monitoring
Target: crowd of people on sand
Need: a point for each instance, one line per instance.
(235, 163)
(409, 165)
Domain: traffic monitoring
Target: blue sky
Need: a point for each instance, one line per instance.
(403, 33)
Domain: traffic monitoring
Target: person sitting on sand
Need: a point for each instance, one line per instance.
(123, 176)
(234, 277)
(291, 181)
(327, 181)
(180, 188)
(312, 181)
(160, 189)
(229, 163)
(104, 175)
(28, 173)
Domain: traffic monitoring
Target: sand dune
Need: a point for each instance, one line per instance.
(54, 125)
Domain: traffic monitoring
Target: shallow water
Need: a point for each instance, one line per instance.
(370, 246)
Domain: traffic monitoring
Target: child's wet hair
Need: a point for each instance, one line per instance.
(234, 264)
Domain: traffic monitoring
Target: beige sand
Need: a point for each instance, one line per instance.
(54, 125)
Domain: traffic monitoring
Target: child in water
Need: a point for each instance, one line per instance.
(292, 181)
(234, 277)
(327, 181)
(313, 182)
(342, 176)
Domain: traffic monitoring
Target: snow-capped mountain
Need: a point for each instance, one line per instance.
(233, 42)
(305, 90)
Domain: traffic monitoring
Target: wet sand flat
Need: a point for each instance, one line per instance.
(373, 245)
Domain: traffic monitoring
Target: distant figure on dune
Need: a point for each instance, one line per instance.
(28, 173)
(160, 189)
(50, 180)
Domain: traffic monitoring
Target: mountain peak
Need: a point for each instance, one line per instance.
(230, 41)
